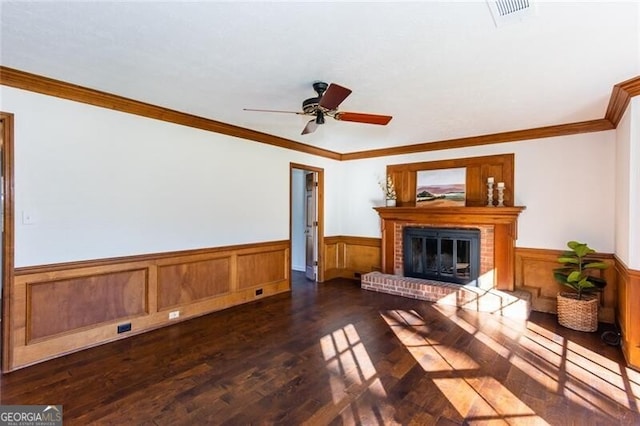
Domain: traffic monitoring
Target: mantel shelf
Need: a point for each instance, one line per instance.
(453, 214)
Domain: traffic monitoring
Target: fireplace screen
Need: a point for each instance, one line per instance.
(441, 254)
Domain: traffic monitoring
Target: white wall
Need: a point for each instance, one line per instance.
(566, 183)
(99, 183)
(634, 189)
(627, 177)
(622, 175)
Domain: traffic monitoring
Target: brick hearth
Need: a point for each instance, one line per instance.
(513, 304)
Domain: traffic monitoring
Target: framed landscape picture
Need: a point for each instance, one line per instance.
(441, 187)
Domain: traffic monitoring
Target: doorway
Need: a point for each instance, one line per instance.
(6, 225)
(306, 220)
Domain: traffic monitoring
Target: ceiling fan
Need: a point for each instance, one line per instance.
(330, 96)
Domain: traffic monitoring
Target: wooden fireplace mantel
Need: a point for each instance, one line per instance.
(503, 219)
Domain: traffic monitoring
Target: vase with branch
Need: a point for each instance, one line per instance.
(389, 190)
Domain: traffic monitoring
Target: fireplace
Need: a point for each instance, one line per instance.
(497, 228)
(441, 254)
(478, 286)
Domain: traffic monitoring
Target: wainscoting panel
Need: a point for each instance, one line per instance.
(332, 256)
(196, 281)
(628, 313)
(345, 256)
(65, 305)
(256, 269)
(534, 273)
(62, 308)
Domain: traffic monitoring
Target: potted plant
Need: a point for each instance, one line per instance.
(389, 190)
(578, 310)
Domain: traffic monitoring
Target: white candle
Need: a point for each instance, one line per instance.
(500, 184)
(490, 180)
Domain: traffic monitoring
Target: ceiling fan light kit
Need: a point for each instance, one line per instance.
(329, 98)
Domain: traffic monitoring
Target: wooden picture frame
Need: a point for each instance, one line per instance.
(441, 187)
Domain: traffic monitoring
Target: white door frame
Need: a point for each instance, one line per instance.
(319, 229)
(7, 248)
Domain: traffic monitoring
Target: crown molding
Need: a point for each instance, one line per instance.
(48, 86)
(495, 138)
(620, 97)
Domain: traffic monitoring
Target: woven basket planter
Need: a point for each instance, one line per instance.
(581, 315)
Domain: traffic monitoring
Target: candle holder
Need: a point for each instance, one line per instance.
(500, 196)
(489, 194)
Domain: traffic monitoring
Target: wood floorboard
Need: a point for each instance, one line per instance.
(333, 354)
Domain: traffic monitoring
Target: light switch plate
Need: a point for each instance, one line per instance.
(28, 217)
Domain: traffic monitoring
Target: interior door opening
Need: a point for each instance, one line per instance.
(7, 234)
(1, 214)
(306, 220)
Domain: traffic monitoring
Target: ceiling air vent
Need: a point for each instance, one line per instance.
(511, 11)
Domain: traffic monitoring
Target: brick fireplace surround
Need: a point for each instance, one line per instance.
(486, 246)
(494, 290)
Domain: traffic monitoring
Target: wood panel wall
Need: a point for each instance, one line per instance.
(500, 167)
(57, 309)
(628, 313)
(534, 273)
(346, 257)
(62, 306)
(195, 281)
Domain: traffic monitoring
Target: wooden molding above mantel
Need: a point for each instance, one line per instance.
(503, 219)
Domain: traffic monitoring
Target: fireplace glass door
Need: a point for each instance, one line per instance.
(442, 254)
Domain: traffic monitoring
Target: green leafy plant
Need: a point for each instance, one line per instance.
(577, 267)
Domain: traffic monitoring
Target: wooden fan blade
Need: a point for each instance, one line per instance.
(273, 110)
(363, 118)
(310, 127)
(334, 95)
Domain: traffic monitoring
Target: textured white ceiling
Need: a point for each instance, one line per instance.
(442, 69)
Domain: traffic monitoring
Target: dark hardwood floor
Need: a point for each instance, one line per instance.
(334, 354)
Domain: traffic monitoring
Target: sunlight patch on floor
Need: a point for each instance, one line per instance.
(587, 373)
(431, 356)
(351, 371)
(557, 364)
(633, 378)
(584, 376)
(475, 398)
(485, 400)
(501, 350)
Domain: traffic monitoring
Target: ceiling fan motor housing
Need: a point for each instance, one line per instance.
(310, 106)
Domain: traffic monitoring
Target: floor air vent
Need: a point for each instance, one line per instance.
(511, 11)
